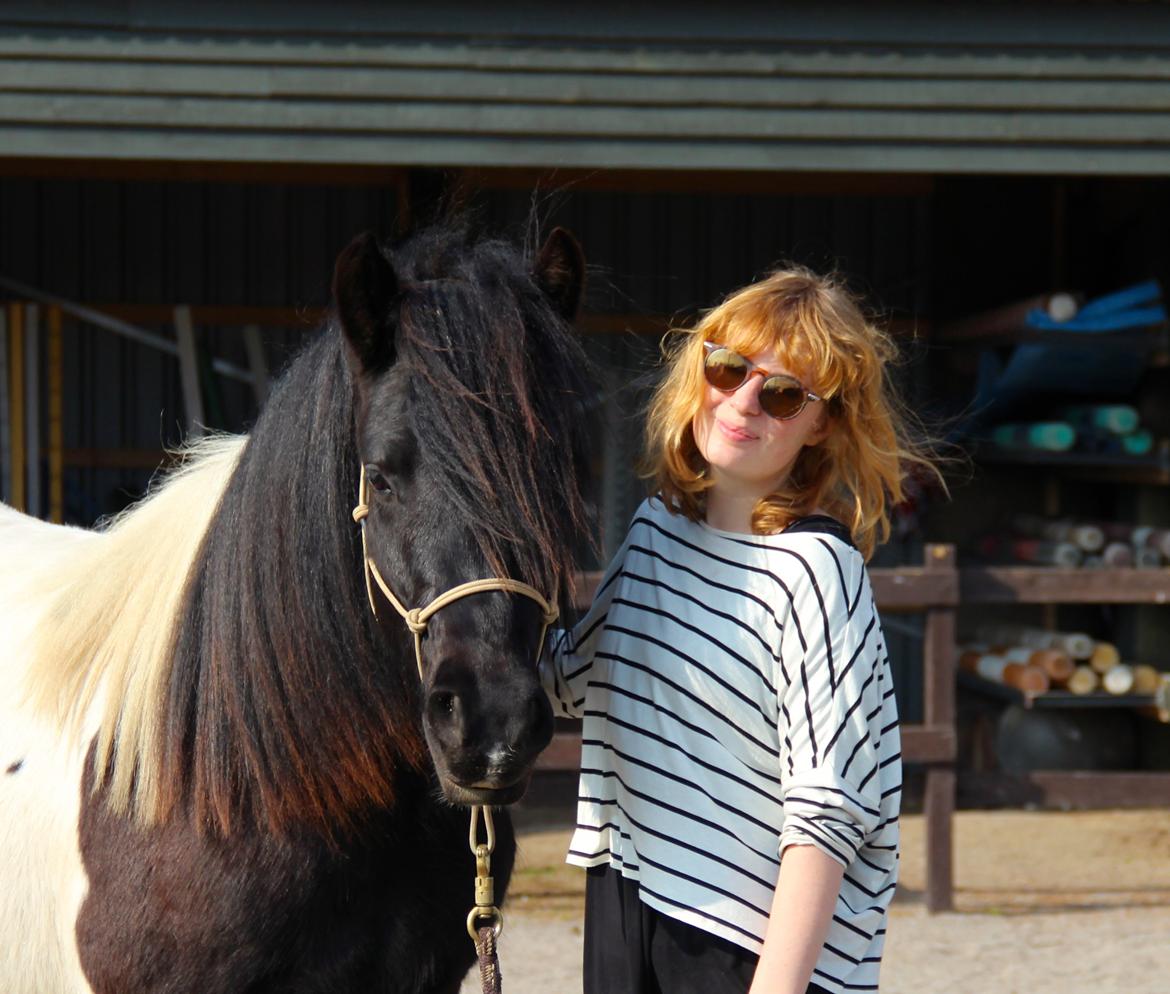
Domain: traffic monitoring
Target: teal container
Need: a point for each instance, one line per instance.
(1120, 419)
(1043, 436)
(1138, 443)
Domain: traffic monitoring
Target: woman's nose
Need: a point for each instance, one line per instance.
(746, 399)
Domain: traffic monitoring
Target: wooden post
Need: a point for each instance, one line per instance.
(189, 371)
(939, 666)
(5, 436)
(56, 359)
(16, 403)
(32, 409)
(257, 363)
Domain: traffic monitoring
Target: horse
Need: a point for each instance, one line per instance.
(224, 766)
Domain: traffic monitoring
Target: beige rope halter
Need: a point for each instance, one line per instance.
(416, 618)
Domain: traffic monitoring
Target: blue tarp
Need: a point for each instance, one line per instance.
(1096, 367)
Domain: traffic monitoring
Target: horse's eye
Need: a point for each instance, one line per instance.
(377, 480)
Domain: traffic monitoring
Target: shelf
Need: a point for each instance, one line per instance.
(1151, 470)
(1055, 585)
(1054, 698)
(1075, 790)
(1151, 338)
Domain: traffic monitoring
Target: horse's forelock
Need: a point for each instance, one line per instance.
(496, 363)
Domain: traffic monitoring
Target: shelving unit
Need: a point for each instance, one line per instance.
(1053, 586)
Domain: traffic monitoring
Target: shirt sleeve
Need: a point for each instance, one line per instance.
(839, 751)
(567, 658)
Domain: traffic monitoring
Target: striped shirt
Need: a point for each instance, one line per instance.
(736, 699)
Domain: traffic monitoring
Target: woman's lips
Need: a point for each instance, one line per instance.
(733, 433)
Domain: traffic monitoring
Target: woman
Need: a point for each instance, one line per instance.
(741, 773)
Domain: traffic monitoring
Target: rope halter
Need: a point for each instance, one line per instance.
(416, 618)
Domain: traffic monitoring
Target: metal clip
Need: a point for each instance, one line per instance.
(485, 909)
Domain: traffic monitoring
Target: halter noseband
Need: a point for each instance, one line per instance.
(416, 618)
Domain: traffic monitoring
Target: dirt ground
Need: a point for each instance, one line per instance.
(1047, 903)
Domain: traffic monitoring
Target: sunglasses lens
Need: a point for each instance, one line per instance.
(724, 369)
(782, 397)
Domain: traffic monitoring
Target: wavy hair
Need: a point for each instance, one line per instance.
(817, 328)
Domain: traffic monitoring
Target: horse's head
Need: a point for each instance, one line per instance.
(469, 401)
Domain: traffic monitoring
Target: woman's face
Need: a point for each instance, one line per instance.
(746, 450)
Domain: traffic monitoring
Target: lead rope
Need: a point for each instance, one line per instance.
(484, 936)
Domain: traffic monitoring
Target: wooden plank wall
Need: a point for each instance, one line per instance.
(961, 87)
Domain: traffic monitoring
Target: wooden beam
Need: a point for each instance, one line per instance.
(914, 588)
(1067, 790)
(1049, 585)
(939, 808)
(5, 436)
(32, 409)
(263, 173)
(821, 183)
(55, 359)
(237, 316)
(16, 451)
(938, 665)
(928, 744)
(115, 458)
(189, 371)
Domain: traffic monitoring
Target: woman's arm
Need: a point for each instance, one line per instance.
(802, 907)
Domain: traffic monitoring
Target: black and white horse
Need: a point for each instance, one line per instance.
(220, 772)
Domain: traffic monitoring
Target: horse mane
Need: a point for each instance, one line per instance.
(225, 619)
(102, 647)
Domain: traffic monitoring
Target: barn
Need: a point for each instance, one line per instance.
(176, 179)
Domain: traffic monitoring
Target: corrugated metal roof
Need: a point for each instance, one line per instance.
(962, 87)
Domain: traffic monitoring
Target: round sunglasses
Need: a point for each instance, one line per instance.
(781, 397)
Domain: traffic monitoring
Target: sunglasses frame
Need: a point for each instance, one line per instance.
(752, 370)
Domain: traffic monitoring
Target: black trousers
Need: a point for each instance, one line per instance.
(632, 949)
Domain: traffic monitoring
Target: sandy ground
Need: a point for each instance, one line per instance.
(1047, 903)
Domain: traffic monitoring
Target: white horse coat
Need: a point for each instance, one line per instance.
(42, 882)
(50, 574)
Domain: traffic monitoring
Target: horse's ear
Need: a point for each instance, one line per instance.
(560, 272)
(366, 290)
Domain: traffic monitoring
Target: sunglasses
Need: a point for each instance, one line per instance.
(781, 397)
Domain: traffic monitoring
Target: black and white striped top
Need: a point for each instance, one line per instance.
(736, 699)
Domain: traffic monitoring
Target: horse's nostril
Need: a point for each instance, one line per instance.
(444, 702)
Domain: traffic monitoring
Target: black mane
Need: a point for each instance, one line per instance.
(283, 709)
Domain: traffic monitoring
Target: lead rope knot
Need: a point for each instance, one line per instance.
(415, 621)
